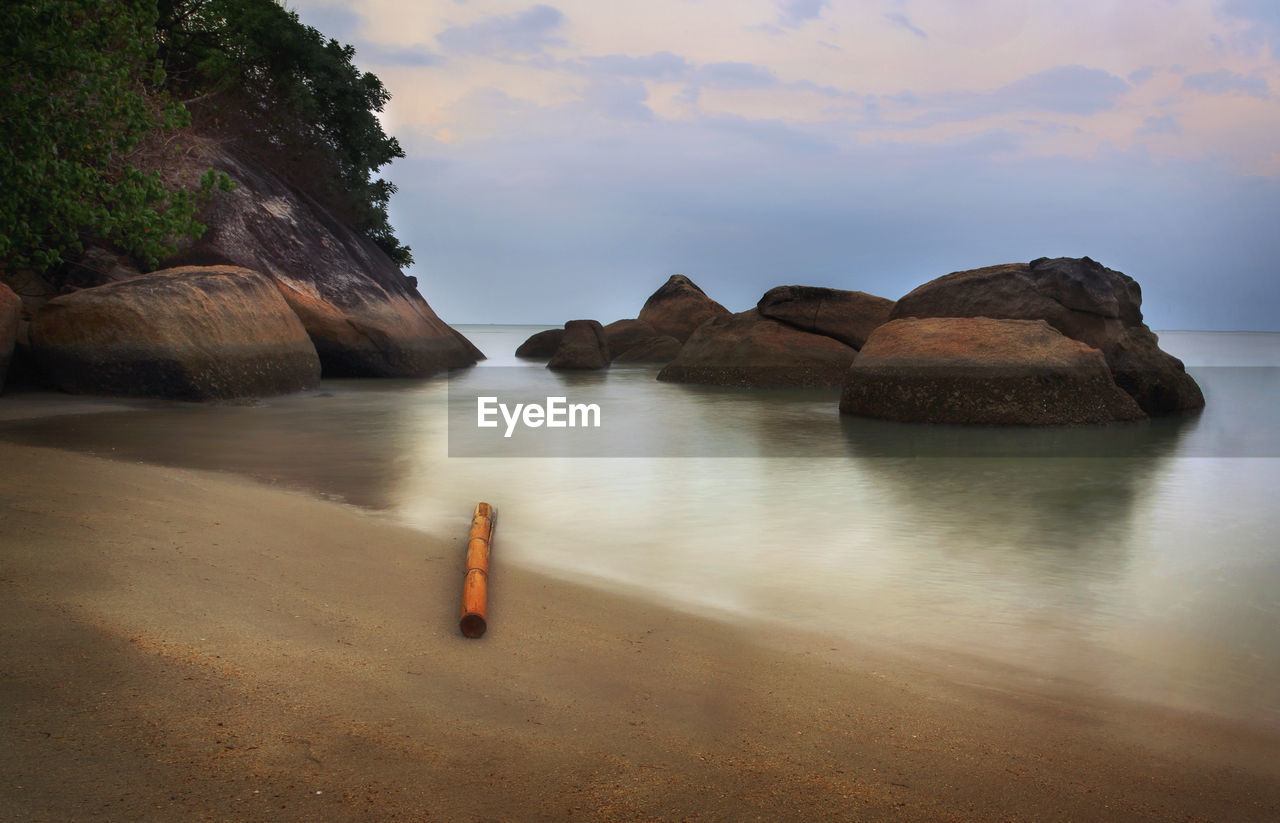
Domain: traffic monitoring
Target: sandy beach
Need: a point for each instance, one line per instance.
(186, 645)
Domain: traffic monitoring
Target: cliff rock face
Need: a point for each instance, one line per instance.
(1081, 298)
(848, 316)
(979, 370)
(10, 311)
(678, 307)
(746, 349)
(364, 316)
(194, 333)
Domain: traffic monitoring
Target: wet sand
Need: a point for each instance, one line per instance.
(186, 645)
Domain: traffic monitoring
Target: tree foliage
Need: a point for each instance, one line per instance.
(78, 99)
(293, 90)
(87, 86)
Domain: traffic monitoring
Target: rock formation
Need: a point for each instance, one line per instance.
(980, 370)
(1080, 298)
(661, 349)
(848, 316)
(583, 347)
(10, 312)
(364, 316)
(541, 345)
(679, 307)
(193, 333)
(623, 334)
(746, 349)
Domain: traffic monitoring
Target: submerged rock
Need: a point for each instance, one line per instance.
(679, 307)
(583, 347)
(848, 316)
(541, 345)
(10, 313)
(746, 349)
(192, 333)
(980, 370)
(1080, 298)
(364, 316)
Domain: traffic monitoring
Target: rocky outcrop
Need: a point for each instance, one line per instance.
(1080, 298)
(848, 316)
(679, 307)
(662, 349)
(541, 345)
(10, 313)
(746, 349)
(623, 334)
(980, 370)
(194, 333)
(364, 316)
(583, 347)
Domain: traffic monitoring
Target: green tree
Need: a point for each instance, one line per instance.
(253, 66)
(78, 100)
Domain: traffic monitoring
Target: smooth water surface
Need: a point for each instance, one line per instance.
(1139, 560)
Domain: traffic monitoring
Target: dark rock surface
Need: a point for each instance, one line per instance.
(848, 316)
(679, 307)
(662, 349)
(541, 345)
(746, 349)
(623, 334)
(1080, 298)
(363, 315)
(979, 370)
(193, 333)
(583, 347)
(10, 313)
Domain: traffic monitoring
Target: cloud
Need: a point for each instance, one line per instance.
(1061, 90)
(527, 32)
(1142, 75)
(659, 66)
(1224, 81)
(735, 75)
(622, 99)
(900, 19)
(415, 56)
(1263, 23)
(1160, 124)
(795, 13)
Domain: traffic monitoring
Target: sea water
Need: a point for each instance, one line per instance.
(1140, 560)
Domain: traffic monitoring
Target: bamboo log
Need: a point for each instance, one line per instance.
(475, 584)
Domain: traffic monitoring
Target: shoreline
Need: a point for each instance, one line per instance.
(182, 643)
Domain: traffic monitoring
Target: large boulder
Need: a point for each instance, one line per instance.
(848, 316)
(746, 349)
(541, 345)
(679, 307)
(623, 334)
(980, 370)
(583, 347)
(1081, 298)
(661, 349)
(193, 333)
(364, 316)
(10, 313)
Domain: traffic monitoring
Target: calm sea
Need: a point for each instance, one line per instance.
(1139, 560)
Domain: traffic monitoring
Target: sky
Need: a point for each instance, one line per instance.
(564, 158)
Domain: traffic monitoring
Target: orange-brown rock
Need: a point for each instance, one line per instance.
(679, 307)
(541, 345)
(662, 349)
(364, 316)
(848, 316)
(193, 333)
(10, 312)
(980, 370)
(1081, 298)
(621, 335)
(746, 349)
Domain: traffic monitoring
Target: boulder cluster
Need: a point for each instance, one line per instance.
(276, 292)
(1051, 342)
